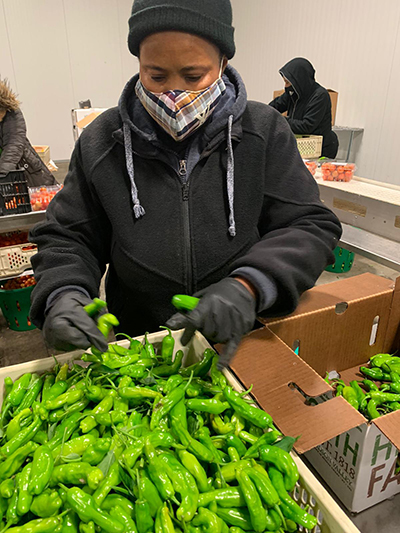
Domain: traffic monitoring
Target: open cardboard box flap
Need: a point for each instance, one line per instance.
(265, 362)
(331, 337)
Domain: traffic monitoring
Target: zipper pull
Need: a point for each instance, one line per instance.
(182, 167)
(185, 192)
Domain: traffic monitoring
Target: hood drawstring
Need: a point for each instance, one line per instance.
(230, 176)
(137, 208)
(230, 179)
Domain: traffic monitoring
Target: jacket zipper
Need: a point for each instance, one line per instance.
(186, 225)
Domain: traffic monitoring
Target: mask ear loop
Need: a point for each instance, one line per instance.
(220, 67)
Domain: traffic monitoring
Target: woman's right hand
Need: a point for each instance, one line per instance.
(67, 325)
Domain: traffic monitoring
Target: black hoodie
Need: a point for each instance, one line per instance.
(182, 243)
(308, 106)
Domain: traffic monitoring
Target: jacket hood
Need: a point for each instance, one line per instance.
(8, 99)
(301, 74)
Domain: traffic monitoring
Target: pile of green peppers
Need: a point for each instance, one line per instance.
(132, 441)
(379, 392)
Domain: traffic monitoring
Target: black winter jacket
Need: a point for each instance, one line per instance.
(309, 107)
(17, 151)
(182, 243)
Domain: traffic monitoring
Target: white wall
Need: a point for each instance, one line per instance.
(58, 52)
(354, 46)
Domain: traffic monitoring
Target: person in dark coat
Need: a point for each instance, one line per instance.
(16, 150)
(307, 103)
(185, 187)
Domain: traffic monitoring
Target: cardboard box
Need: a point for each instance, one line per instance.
(43, 152)
(336, 327)
(334, 98)
(82, 117)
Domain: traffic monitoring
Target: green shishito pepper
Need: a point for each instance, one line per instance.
(163, 523)
(18, 391)
(106, 322)
(360, 394)
(84, 506)
(183, 302)
(144, 520)
(18, 422)
(14, 462)
(290, 508)
(184, 483)
(149, 492)
(256, 416)
(263, 485)
(208, 521)
(164, 406)
(109, 482)
(350, 395)
(266, 438)
(96, 452)
(283, 462)
(200, 368)
(212, 406)
(24, 496)
(120, 513)
(114, 360)
(42, 468)
(95, 307)
(158, 473)
(77, 474)
(112, 500)
(191, 463)
(40, 525)
(167, 346)
(256, 510)
(375, 373)
(169, 369)
(21, 438)
(46, 504)
(35, 386)
(227, 497)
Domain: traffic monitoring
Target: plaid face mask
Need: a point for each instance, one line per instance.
(180, 113)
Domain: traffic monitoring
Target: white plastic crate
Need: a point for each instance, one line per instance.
(16, 259)
(310, 146)
(308, 491)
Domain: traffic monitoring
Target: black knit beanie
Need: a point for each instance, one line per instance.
(211, 19)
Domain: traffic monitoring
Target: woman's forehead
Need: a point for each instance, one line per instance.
(169, 44)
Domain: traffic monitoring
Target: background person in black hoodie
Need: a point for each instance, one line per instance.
(216, 203)
(307, 103)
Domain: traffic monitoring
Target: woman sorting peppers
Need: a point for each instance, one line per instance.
(185, 187)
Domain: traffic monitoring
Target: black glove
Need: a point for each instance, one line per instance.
(68, 326)
(225, 313)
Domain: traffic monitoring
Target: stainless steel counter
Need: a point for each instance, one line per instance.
(24, 221)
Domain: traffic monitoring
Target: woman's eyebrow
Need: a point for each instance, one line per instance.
(194, 67)
(155, 67)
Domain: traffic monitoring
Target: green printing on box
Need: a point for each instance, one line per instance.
(16, 305)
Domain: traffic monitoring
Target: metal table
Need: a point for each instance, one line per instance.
(352, 132)
(24, 221)
(370, 215)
